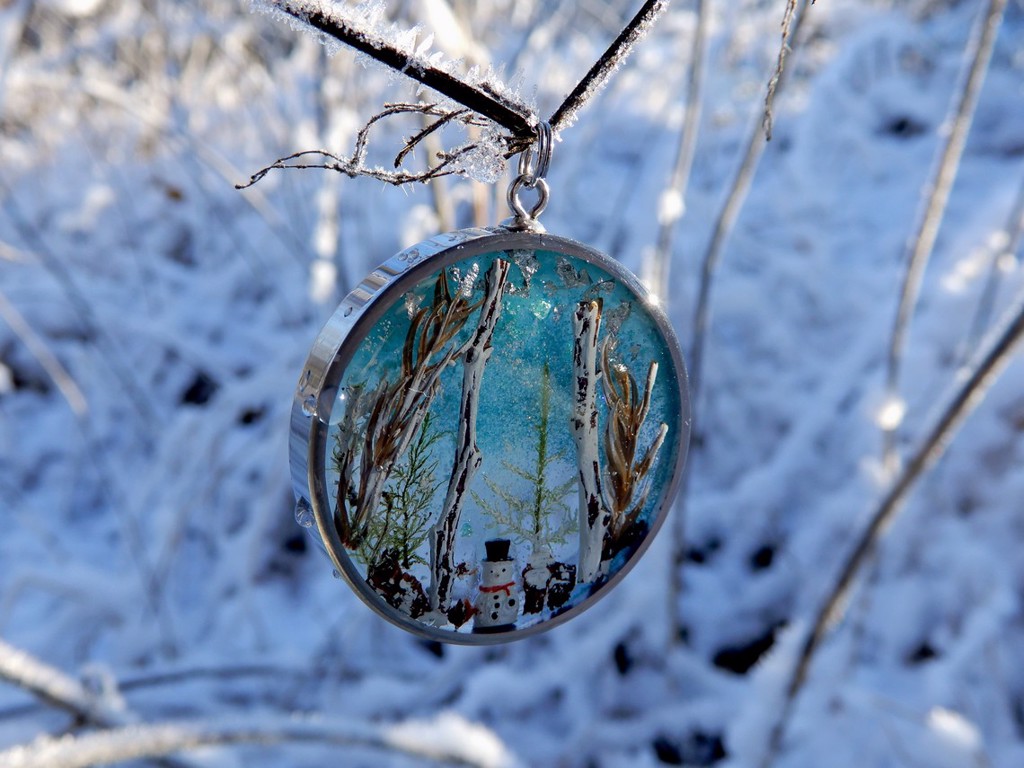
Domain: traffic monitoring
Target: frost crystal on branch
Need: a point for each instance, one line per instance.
(486, 97)
(367, 33)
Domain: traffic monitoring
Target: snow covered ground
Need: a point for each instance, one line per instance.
(153, 321)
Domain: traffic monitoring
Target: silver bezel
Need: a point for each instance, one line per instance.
(340, 337)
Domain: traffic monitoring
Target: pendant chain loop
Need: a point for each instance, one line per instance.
(534, 163)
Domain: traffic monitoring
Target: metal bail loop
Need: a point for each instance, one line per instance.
(534, 163)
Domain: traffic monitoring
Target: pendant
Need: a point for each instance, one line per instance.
(489, 431)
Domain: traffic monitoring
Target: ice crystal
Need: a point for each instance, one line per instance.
(294, 14)
(483, 159)
(365, 26)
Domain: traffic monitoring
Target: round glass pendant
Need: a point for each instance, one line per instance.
(488, 433)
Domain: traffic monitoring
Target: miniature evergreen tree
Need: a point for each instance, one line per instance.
(540, 517)
(404, 524)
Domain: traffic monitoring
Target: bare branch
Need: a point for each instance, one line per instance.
(735, 198)
(977, 55)
(672, 204)
(355, 165)
(996, 354)
(780, 65)
(1013, 232)
(605, 66)
(734, 201)
(413, 141)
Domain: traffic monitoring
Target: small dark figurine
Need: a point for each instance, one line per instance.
(560, 584)
(400, 590)
(461, 612)
(535, 587)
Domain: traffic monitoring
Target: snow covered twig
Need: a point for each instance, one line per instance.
(76, 298)
(52, 686)
(452, 740)
(996, 354)
(496, 107)
(49, 362)
(978, 54)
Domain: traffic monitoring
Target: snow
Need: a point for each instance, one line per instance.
(153, 322)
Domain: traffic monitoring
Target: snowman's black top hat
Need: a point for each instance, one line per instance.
(497, 550)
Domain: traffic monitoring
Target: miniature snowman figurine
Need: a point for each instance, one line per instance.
(497, 605)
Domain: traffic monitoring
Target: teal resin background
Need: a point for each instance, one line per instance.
(523, 424)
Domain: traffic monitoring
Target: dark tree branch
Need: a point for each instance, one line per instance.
(510, 115)
(965, 398)
(605, 66)
(480, 100)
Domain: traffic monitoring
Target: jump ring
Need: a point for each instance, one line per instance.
(535, 160)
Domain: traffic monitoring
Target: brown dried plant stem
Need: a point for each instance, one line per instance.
(355, 165)
(977, 55)
(625, 487)
(964, 399)
(396, 409)
(788, 33)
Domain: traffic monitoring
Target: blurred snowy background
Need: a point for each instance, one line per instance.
(153, 322)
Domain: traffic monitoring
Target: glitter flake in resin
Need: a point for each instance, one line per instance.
(505, 419)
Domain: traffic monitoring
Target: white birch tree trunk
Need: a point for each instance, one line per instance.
(467, 453)
(593, 518)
